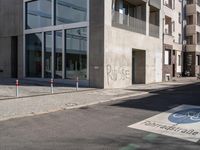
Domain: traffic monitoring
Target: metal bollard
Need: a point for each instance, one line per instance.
(17, 88)
(77, 83)
(52, 91)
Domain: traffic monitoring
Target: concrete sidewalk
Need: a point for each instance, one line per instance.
(34, 105)
(31, 88)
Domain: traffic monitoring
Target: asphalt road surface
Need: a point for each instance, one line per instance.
(100, 127)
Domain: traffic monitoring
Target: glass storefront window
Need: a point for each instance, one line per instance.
(71, 11)
(45, 56)
(34, 55)
(58, 55)
(38, 14)
(76, 53)
(48, 55)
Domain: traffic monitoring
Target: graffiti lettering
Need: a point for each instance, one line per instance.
(117, 73)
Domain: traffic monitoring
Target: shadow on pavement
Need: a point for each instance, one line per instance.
(166, 99)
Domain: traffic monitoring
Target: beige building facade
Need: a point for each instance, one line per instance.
(173, 39)
(193, 37)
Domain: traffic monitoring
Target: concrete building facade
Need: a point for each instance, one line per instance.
(106, 43)
(11, 38)
(173, 34)
(132, 42)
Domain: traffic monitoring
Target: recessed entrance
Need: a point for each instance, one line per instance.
(14, 56)
(138, 66)
(174, 70)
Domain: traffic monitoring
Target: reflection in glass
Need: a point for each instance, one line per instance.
(38, 13)
(48, 55)
(76, 53)
(70, 11)
(58, 55)
(34, 55)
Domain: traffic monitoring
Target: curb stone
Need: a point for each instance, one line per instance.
(72, 105)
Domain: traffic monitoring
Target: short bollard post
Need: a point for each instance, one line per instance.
(77, 83)
(52, 86)
(17, 88)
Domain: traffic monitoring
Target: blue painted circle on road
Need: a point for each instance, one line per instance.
(186, 116)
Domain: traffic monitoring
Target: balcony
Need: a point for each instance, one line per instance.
(198, 2)
(168, 3)
(192, 8)
(168, 29)
(192, 29)
(177, 46)
(128, 23)
(154, 21)
(154, 30)
(168, 39)
(193, 48)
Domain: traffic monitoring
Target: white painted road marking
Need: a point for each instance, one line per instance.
(182, 122)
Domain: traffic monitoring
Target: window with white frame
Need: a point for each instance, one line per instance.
(179, 17)
(179, 60)
(197, 60)
(173, 24)
(167, 60)
(179, 38)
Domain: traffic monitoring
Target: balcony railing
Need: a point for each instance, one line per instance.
(193, 2)
(129, 23)
(153, 30)
(168, 31)
(198, 2)
(169, 5)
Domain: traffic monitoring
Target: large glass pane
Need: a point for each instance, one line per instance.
(34, 55)
(76, 53)
(58, 55)
(71, 11)
(48, 55)
(38, 13)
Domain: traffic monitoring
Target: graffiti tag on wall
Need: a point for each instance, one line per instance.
(117, 73)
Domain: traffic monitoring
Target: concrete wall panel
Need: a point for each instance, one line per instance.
(96, 46)
(11, 24)
(11, 14)
(5, 57)
(119, 44)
